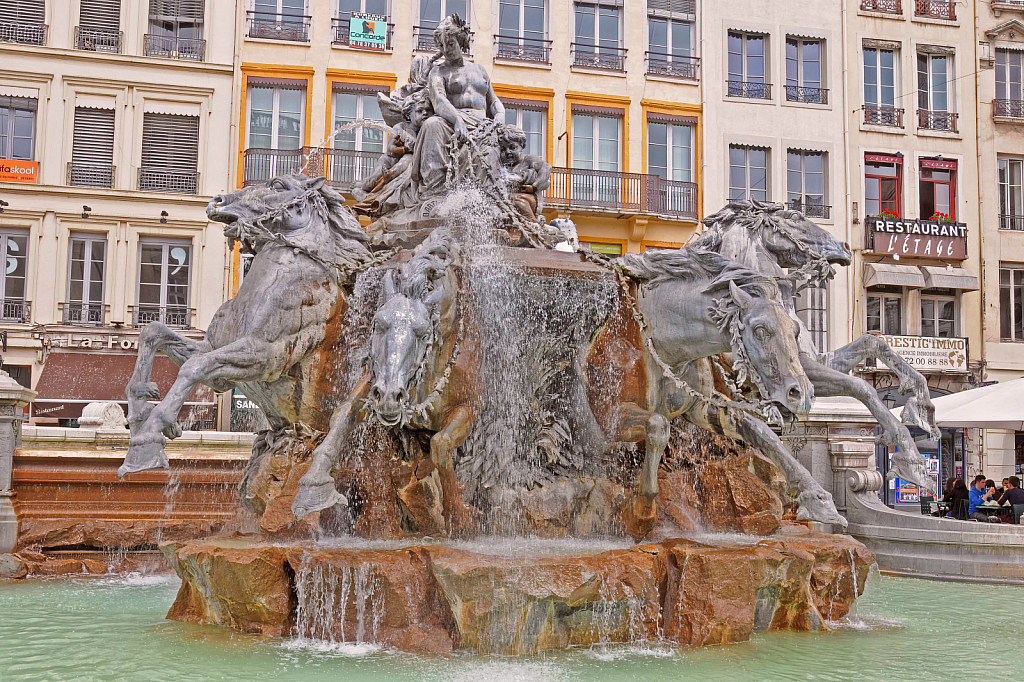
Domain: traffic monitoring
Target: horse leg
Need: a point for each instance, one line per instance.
(140, 390)
(442, 445)
(637, 424)
(919, 410)
(316, 487)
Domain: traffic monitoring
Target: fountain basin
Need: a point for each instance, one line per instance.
(437, 598)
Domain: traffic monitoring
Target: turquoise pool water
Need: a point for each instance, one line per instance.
(114, 629)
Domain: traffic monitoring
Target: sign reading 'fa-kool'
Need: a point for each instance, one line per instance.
(931, 353)
(369, 31)
(917, 238)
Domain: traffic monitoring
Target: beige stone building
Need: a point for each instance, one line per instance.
(113, 134)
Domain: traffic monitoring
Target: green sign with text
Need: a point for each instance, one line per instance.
(368, 31)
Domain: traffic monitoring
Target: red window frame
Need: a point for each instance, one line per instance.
(896, 204)
(928, 168)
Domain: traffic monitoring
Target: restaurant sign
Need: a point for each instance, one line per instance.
(369, 31)
(917, 238)
(94, 341)
(931, 353)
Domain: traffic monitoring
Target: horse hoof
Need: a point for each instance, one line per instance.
(144, 453)
(316, 498)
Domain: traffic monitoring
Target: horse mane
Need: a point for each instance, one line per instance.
(697, 265)
(751, 213)
(347, 235)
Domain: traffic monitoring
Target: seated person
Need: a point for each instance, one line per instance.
(957, 496)
(947, 492)
(979, 494)
(1013, 493)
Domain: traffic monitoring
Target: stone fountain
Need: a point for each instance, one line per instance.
(481, 439)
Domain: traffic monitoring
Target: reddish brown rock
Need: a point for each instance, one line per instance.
(277, 518)
(107, 533)
(12, 567)
(758, 509)
(420, 501)
(639, 515)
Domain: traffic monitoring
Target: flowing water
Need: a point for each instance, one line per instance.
(114, 629)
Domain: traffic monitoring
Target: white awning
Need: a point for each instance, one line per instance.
(940, 277)
(156, 106)
(95, 101)
(13, 91)
(998, 406)
(876, 274)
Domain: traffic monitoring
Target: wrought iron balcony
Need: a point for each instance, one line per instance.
(748, 89)
(26, 33)
(884, 6)
(91, 174)
(340, 32)
(883, 116)
(423, 40)
(83, 313)
(937, 120)
(598, 57)
(811, 209)
(172, 47)
(260, 165)
(272, 26)
(164, 180)
(522, 49)
(802, 93)
(344, 169)
(935, 9)
(177, 316)
(1011, 222)
(617, 192)
(673, 66)
(15, 310)
(1008, 108)
(96, 40)
(673, 198)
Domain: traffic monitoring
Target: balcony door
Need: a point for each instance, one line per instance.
(670, 157)
(357, 148)
(431, 14)
(597, 154)
(86, 272)
(164, 267)
(14, 245)
(521, 29)
(598, 35)
(276, 116)
(176, 29)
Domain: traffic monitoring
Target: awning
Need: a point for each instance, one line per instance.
(940, 277)
(998, 406)
(876, 274)
(70, 381)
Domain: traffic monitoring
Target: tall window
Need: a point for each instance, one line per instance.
(23, 21)
(276, 116)
(880, 68)
(99, 26)
(670, 45)
(92, 149)
(170, 153)
(934, 96)
(1008, 75)
(938, 313)
(1011, 205)
(17, 128)
(596, 145)
(533, 122)
(812, 309)
(431, 14)
(885, 310)
(522, 28)
(883, 185)
(14, 245)
(346, 8)
(938, 189)
(164, 267)
(747, 66)
(176, 29)
(1011, 301)
(804, 71)
(86, 271)
(362, 145)
(279, 20)
(748, 173)
(805, 182)
(670, 157)
(598, 36)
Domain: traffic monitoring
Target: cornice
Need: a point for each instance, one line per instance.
(139, 60)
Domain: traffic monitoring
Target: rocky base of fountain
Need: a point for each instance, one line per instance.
(437, 599)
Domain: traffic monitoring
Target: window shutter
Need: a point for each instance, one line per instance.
(100, 15)
(182, 10)
(24, 11)
(94, 137)
(170, 142)
(669, 8)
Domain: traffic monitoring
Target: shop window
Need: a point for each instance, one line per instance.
(885, 310)
(748, 173)
(1011, 301)
(883, 185)
(938, 313)
(937, 189)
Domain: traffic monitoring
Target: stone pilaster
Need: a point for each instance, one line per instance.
(13, 398)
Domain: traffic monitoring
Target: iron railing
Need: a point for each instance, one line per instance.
(98, 40)
(811, 209)
(885, 6)
(343, 168)
(674, 198)
(1007, 4)
(614, 191)
(15, 310)
(936, 9)
(883, 116)
(522, 49)
(937, 120)
(260, 165)
(673, 66)
(748, 89)
(598, 56)
(91, 174)
(802, 93)
(340, 32)
(178, 316)
(1011, 222)
(83, 313)
(423, 40)
(165, 180)
(26, 33)
(272, 26)
(173, 47)
(1008, 108)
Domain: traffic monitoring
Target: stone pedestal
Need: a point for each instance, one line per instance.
(13, 398)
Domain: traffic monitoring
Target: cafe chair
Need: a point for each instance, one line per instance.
(926, 505)
(1018, 511)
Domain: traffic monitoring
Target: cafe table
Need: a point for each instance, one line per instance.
(991, 509)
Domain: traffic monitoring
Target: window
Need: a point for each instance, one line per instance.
(1011, 301)
(804, 71)
(883, 185)
(1009, 99)
(670, 157)
(670, 46)
(99, 26)
(170, 153)
(533, 122)
(14, 245)
(164, 283)
(812, 309)
(522, 29)
(92, 149)
(885, 310)
(347, 8)
(356, 150)
(805, 182)
(88, 255)
(1011, 206)
(276, 129)
(747, 66)
(23, 21)
(431, 14)
(279, 20)
(933, 93)
(17, 128)
(599, 36)
(938, 189)
(596, 146)
(748, 173)
(176, 29)
(880, 88)
(938, 313)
